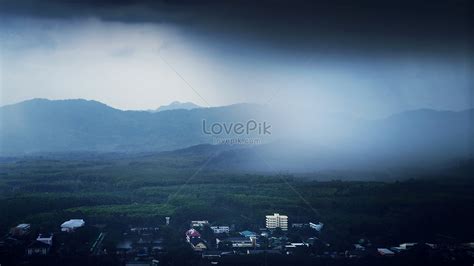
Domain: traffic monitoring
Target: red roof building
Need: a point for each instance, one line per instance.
(192, 233)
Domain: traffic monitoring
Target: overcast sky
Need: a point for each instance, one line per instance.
(368, 60)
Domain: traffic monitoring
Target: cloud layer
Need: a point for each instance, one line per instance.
(367, 59)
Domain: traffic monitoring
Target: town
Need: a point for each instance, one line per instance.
(75, 242)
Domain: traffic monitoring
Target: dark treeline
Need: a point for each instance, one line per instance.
(47, 192)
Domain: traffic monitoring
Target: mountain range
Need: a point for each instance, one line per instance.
(411, 138)
(176, 105)
(41, 125)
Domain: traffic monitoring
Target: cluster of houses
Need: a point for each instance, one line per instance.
(140, 246)
(20, 237)
(229, 242)
(144, 245)
(226, 240)
(243, 239)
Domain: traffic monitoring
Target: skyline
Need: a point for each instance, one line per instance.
(199, 106)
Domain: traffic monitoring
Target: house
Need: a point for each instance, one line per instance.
(297, 225)
(199, 224)
(220, 229)
(192, 233)
(318, 227)
(45, 238)
(38, 248)
(385, 252)
(277, 221)
(71, 225)
(198, 244)
(248, 233)
(41, 246)
(239, 242)
(405, 246)
(295, 245)
(20, 230)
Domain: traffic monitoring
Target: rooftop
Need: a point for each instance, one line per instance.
(73, 223)
(277, 215)
(248, 233)
(45, 236)
(237, 239)
(385, 251)
(193, 233)
(23, 226)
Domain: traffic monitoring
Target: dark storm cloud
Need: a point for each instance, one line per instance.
(302, 26)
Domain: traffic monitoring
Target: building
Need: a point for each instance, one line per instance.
(38, 248)
(263, 251)
(405, 246)
(199, 224)
(45, 238)
(20, 230)
(248, 233)
(276, 220)
(191, 233)
(220, 229)
(41, 246)
(71, 225)
(198, 244)
(297, 225)
(318, 227)
(296, 248)
(385, 252)
(239, 242)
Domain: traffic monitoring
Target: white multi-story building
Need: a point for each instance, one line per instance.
(276, 220)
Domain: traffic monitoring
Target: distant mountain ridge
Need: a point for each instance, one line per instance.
(177, 105)
(41, 125)
(417, 137)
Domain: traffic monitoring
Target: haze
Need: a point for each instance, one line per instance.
(140, 64)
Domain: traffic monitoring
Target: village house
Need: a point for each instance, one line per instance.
(20, 230)
(199, 224)
(45, 238)
(198, 244)
(71, 225)
(220, 229)
(38, 248)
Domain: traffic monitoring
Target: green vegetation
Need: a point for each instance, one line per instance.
(143, 191)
